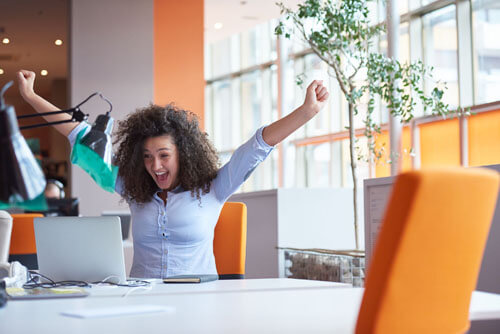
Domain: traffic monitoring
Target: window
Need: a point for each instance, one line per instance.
(243, 81)
(486, 26)
(440, 50)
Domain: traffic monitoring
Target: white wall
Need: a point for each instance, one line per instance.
(295, 218)
(111, 51)
(317, 218)
(262, 233)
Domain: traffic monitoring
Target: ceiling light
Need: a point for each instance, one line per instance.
(1, 71)
(44, 72)
(5, 40)
(218, 26)
(58, 42)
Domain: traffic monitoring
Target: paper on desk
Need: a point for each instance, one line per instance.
(117, 311)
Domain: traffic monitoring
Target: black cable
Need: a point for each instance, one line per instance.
(34, 276)
(101, 96)
(32, 282)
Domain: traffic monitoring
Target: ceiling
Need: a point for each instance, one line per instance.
(239, 15)
(34, 25)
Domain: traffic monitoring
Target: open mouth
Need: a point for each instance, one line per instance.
(161, 176)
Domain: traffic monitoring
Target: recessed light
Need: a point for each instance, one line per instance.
(218, 25)
(1, 71)
(5, 40)
(44, 73)
(58, 42)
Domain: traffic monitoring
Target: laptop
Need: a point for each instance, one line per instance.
(86, 249)
(124, 219)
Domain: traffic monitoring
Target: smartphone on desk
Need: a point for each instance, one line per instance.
(190, 279)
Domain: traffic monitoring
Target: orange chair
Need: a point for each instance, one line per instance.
(427, 257)
(22, 240)
(230, 241)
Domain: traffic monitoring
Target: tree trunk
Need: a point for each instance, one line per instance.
(352, 152)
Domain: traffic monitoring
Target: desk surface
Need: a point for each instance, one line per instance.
(240, 285)
(257, 306)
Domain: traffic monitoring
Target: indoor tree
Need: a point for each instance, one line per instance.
(341, 34)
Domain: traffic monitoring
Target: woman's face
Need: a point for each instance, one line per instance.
(161, 160)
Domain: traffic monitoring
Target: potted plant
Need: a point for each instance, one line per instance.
(341, 35)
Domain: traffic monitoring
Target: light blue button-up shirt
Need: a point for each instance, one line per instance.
(177, 238)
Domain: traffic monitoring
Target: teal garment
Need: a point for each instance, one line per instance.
(39, 203)
(103, 174)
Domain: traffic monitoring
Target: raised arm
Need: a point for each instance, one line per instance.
(316, 97)
(246, 158)
(26, 80)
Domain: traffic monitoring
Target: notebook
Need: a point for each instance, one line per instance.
(86, 249)
(191, 278)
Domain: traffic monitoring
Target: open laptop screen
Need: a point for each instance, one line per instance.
(86, 249)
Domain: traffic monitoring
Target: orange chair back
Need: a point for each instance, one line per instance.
(230, 241)
(427, 257)
(22, 240)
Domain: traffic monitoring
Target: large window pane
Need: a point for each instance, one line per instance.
(220, 56)
(486, 27)
(426, 2)
(235, 53)
(249, 48)
(440, 50)
(382, 10)
(318, 165)
(251, 101)
(404, 43)
(222, 115)
(258, 45)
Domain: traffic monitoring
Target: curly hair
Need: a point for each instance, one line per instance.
(198, 159)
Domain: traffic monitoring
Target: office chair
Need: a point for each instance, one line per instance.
(230, 241)
(427, 257)
(22, 240)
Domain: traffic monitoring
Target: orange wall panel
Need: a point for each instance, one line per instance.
(382, 167)
(178, 54)
(484, 138)
(440, 143)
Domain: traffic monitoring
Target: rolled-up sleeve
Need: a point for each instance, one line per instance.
(83, 126)
(242, 163)
(74, 133)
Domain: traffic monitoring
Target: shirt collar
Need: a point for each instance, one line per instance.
(176, 190)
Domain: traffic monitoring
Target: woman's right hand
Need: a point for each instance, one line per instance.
(25, 81)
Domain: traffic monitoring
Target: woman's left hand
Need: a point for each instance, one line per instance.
(316, 97)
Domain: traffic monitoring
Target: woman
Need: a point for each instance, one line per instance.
(168, 174)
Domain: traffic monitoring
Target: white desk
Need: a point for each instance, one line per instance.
(245, 306)
(222, 286)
